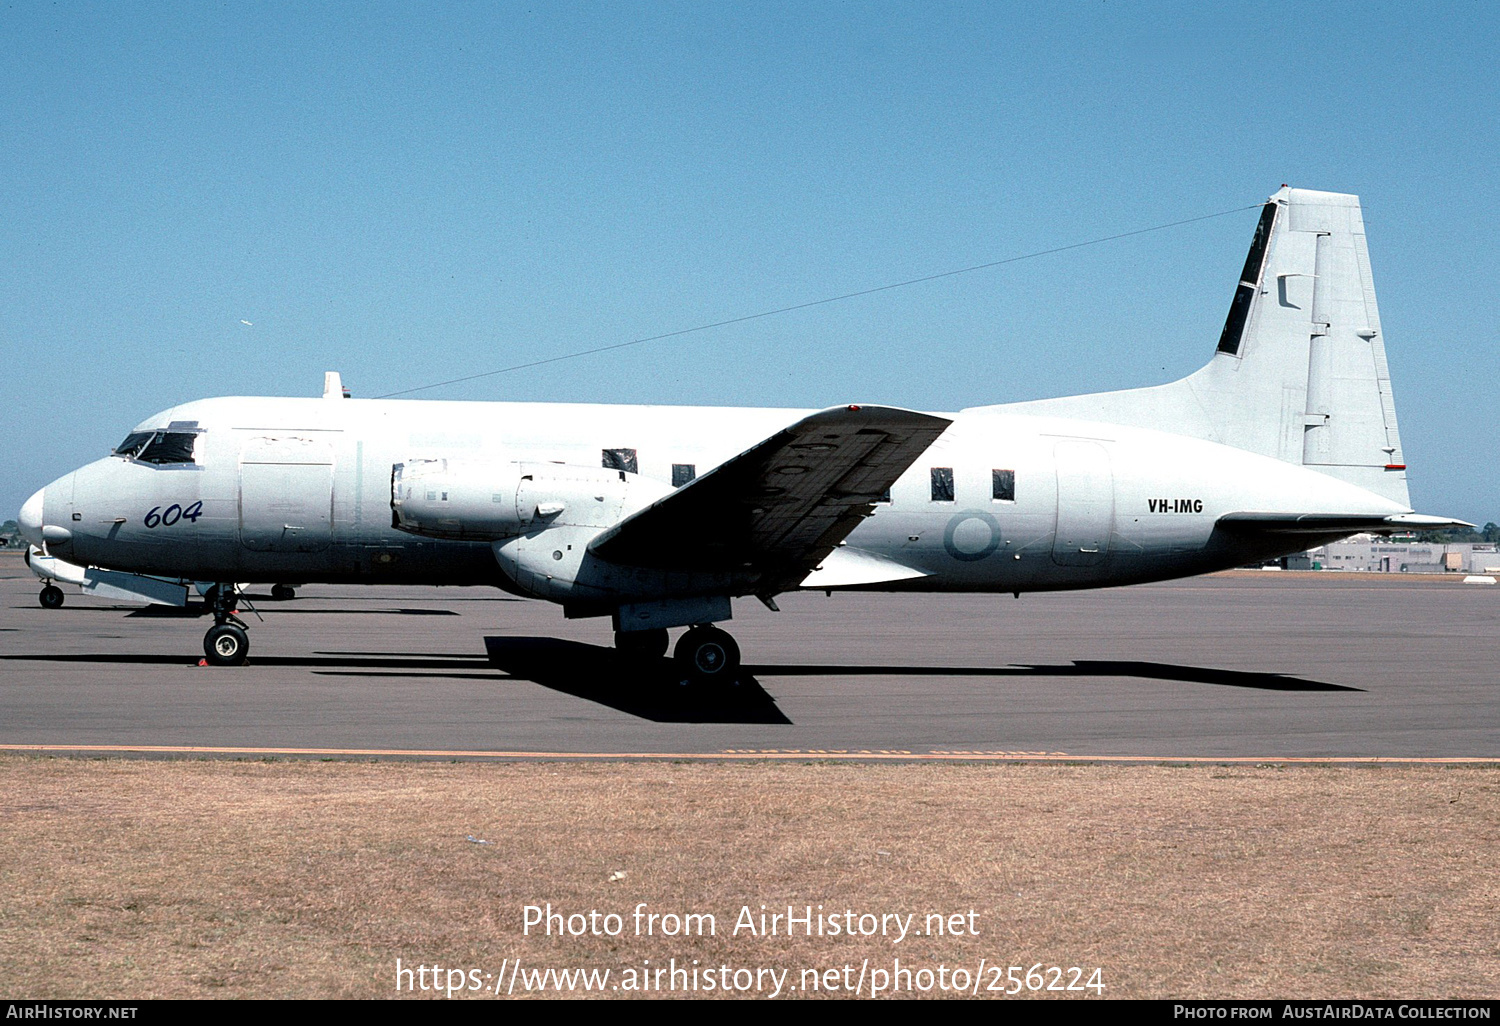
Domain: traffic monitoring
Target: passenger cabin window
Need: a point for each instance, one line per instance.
(159, 446)
(942, 484)
(620, 459)
(1004, 485)
(682, 473)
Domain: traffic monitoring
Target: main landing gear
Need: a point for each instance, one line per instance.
(650, 644)
(51, 597)
(228, 640)
(708, 655)
(704, 655)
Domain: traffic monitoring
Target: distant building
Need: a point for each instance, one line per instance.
(1370, 554)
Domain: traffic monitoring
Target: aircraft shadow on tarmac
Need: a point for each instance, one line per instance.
(1079, 668)
(198, 609)
(349, 664)
(651, 689)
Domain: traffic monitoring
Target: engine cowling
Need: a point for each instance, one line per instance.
(539, 517)
(570, 506)
(460, 500)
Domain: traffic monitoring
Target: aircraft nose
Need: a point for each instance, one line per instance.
(31, 518)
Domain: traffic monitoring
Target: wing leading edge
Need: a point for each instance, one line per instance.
(778, 509)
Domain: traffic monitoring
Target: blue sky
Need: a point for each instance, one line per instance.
(409, 193)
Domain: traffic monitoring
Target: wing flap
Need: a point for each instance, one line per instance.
(849, 567)
(776, 510)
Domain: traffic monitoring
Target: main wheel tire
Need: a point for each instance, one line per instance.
(51, 597)
(226, 645)
(708, 655)
(651, 644)
(283, 592)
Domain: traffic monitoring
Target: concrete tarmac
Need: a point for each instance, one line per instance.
(1245, 665)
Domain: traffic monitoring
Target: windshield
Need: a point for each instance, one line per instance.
(158, 446)
(133, 443)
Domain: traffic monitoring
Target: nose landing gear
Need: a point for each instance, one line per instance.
(51, 597)
(227, 642)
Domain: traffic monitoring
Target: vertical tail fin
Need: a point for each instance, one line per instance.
(1300, 370)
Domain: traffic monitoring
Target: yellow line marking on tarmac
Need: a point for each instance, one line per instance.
(935, 755)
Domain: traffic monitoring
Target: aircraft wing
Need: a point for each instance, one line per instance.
(777, 509)
(1335, 523)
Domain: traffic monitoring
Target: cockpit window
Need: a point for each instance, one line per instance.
(133, 443)
(169, 447)
(158, 446)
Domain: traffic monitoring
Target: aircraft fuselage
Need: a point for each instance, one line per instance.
(300, 490)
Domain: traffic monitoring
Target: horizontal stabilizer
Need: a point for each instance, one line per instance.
(1337, 523)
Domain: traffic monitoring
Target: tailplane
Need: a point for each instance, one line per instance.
(1300, 370)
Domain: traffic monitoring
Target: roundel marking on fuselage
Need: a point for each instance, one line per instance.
(971, 535)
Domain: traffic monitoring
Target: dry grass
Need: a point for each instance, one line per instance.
(123, 878)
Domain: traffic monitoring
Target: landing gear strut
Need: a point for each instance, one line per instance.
(227, 641)
(706, 654)
(51, 597)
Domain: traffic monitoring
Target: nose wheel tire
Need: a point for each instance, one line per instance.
(650, 644)
(708, 655)
(51, 597)
(283, 592)
(226, 645)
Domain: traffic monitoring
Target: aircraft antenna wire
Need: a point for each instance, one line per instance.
(815, 302)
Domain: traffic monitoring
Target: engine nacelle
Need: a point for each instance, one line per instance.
(570, 506)
(461, 500)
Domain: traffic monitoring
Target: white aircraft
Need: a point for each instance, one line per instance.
(660, 516)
